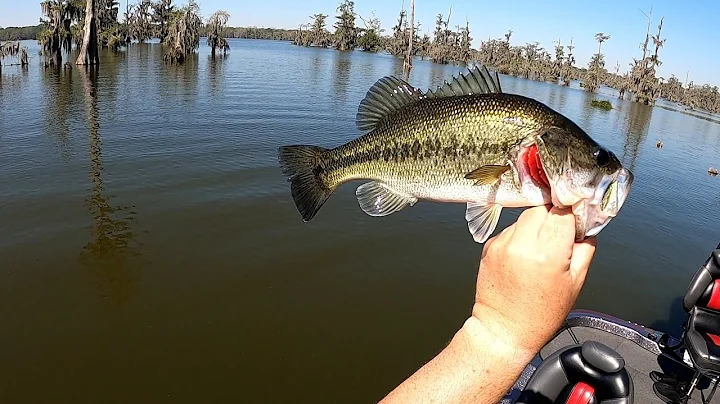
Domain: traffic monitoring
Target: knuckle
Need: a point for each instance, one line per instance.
(538, 257)
(516, 250)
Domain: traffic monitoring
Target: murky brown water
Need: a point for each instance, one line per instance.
(151, 251)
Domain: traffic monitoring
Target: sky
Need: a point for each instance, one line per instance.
(689, 27)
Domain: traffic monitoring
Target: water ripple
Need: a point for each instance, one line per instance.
(144, 216)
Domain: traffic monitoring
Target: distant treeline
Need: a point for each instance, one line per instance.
(179, 29)
(20, 33)
(278, 34)
(450, 43)
(275, 34)
(529, 61)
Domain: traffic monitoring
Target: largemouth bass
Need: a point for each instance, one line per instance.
(466, 142)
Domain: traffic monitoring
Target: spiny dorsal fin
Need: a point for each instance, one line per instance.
(478, 81)
(387, 95)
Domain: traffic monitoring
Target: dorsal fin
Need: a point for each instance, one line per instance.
(387, 95)
(478, 81)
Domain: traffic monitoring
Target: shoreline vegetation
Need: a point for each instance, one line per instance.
(66, 24)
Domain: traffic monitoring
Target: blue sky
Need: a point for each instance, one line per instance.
(688, 28)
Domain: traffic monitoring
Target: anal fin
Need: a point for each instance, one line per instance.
(487, 175)
(377, 199)
(482, 220)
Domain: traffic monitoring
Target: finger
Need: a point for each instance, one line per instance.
(558, 230)
(533, 214)
(583, 254)
(507, 232)
(501, 238)
(530, 222)
(504, 235)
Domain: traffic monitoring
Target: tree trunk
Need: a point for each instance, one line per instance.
(89, 51)
(55, 58)
(408, 60)
(213, 50)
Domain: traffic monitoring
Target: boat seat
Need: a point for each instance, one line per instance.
(701, 336)
(703, 340)
(591, 373)
(704, 292)
(704, 288)
(702, 344)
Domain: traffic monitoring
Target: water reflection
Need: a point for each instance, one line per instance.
(587, 112)
(145, 57)
(562, 97)
(12, 83)
(552, 97)
(438, 75)
(341, 74)
(58, 84)
(396, 68)
(110, 63)
(13, 79)
(112, 238)
(216, 67)
(638, 122)
(181, 78)
(318, 63)
(678, 108)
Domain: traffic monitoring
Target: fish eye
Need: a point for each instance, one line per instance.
(602, 157)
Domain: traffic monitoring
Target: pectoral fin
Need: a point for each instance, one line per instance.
(482, 220)
(487, 175)
(377, 199)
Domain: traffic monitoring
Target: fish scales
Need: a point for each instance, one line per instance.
(467, 142)
(434, 143)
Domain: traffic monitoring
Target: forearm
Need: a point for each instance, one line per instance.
(476, 367)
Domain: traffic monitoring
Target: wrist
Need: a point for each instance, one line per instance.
(488, 364)
(476, 366)
(504, 335)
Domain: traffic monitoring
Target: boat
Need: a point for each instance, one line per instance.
(598, 358)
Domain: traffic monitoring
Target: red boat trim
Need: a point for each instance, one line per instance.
(714, 303)
(714, 338)
(582, 393)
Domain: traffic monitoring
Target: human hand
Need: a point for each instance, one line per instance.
(530, 277)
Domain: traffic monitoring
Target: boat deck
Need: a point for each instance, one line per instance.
(639, 362)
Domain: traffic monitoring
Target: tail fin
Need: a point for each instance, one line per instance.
(305, 168)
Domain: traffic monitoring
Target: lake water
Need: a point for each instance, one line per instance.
(151, 251)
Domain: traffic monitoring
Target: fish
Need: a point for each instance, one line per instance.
(467, 141)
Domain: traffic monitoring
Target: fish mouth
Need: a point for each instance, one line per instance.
(594, 215)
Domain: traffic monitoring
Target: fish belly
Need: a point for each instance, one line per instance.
(504, 194)
(448, 192)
